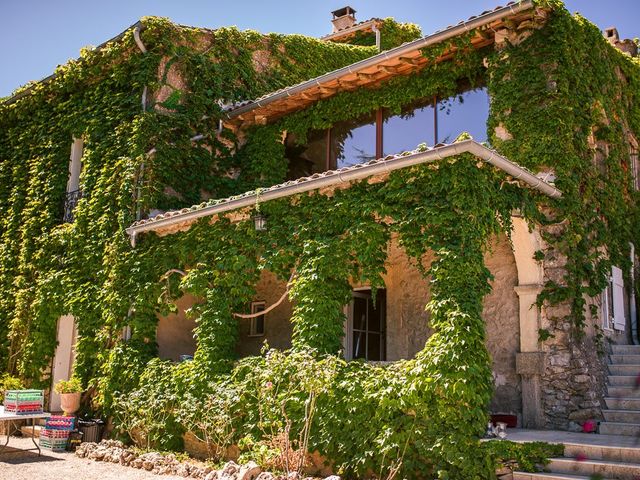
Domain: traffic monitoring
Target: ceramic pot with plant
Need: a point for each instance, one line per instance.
(69, 391)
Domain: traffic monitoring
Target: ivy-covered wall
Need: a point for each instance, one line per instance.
(547, 111)
(48, 269)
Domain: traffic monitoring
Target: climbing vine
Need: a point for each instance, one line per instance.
(562, 98)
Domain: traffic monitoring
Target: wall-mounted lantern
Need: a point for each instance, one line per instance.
(260, 222)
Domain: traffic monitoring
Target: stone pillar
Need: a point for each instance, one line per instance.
(530, 361)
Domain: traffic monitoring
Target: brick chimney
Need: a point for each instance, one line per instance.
(343, 18)
(626, 46)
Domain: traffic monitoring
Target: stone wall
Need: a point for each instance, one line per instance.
(277, 327)
(174, 333)
(407, 320)
(573, 384)
(407, 295)
(502, 320)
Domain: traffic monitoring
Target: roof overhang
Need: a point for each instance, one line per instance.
(181, 219)
(370, 72)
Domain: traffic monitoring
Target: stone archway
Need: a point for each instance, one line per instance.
(530, 359)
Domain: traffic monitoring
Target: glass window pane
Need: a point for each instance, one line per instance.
(359, 345)
(307, 159)
(359, 313)
(465, 112)
(413, 126)
(374, 318)
(353, 141)
(374, 349)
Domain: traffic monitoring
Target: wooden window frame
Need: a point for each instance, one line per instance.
(363, 292)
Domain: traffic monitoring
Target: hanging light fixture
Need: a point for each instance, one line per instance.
(259, 219)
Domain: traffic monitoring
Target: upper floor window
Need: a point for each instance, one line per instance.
(635, 167)
(73, 184)
(381, 132)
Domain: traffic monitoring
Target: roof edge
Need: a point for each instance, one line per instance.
(335, 177)
(434, 38)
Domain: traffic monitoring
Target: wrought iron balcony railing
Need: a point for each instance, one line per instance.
(70, 202)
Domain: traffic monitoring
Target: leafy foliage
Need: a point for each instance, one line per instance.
(422, 415)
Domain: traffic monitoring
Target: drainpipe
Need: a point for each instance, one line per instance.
(633, 313)
(376, 30)
(143, 49)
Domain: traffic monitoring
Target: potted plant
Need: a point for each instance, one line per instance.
(69, 391)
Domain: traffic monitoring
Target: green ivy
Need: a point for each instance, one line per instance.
(553, 92)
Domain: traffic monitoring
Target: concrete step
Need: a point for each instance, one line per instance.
(621, 380)
(615, 453)
(547, 476)
(623, 391)
(608, 469)
(622, 416)
(617, 403)
(624, 359)
(619, 428)
(624, 369)
(626, 349)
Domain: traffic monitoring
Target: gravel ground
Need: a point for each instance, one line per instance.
(15, 465)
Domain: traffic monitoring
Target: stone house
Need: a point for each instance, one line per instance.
(545, 375)
(553, 382)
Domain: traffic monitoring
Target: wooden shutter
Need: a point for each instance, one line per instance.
(618, 298)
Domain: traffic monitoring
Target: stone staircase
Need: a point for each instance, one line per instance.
(622, 415)
(588, 462)
(601, 458)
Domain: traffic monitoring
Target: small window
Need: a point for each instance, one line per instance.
(635, 168)
(366, 326)
(257, 323)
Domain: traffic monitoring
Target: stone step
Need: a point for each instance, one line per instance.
(547, 476)
(609, 469)
(626, 349)
(625, 391)
(619, 428)
(624, 369)
(622, 416)
(622, 403)
(602, 452)
(624, 359)
(621, 380)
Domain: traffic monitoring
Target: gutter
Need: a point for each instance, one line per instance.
(397, 52)
(335, 177)
(633, 312)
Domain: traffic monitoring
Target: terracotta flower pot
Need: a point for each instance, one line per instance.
(70, 402)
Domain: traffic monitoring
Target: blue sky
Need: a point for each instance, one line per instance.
(37, 35)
